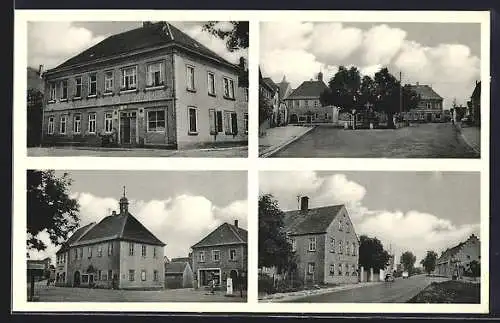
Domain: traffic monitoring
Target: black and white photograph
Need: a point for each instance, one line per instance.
(137, 89)
(370, 89)
(136, 236)
(370, 237)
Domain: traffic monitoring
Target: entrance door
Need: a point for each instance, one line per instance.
(308, 119)
(76, 280)
(294, 118)
(429, 117)
(234, 276)
(128, 127)
(91, 279)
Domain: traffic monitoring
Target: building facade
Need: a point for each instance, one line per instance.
(475, 105)
(455, 261)
(162, 89)
(325, 242)
(118, 252)
(179, 274)
(429, 107)
(222, 254)
(304, 104)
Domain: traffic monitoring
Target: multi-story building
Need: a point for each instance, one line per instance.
(304, 104)
(456, 260)
(429, 107)
(284, 90)
(117, 252)
(325, 242)
(150, 86)
(475, 105)
(220, 255)
(274, 100)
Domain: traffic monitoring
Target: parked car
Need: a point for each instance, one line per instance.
(405, 274)
(389, 278)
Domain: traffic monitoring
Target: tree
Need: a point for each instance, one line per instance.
(274, 248)
(429, 262)
(49, 208)
(235, 33)
(372, 253)
(343, 89)
(408, 261)
(474, 269)
(34, 116)
(265, 109)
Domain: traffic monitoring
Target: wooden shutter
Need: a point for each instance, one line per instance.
(212, 121)
(218, 122)
(234, 121)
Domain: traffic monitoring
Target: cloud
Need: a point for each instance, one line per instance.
(179, 221)
(381, 43)
(331, 42)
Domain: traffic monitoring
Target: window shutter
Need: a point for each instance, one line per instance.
(212, 121)
(234, 120)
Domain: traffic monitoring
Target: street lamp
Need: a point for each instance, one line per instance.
(353, 119)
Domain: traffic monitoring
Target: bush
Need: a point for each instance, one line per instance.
(266, 284)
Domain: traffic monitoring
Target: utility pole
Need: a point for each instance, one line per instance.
(400, 95)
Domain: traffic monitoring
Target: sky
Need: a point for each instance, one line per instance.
(415, 211)
(74, 37)
(443, 55)
(179, 207)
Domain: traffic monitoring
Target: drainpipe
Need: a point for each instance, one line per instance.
(173, 99)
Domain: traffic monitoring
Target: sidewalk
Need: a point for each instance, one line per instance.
(471, 135)
(286, 297)
(278, 138)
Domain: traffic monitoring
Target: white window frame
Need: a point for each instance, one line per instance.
(201, 256)
(125, 75)
(50, 125)
(91, 95)
(347, 248)
(155, 275)
(52, 92)
(144, 250)
(245, 122)
(64, 97)
(99, 251)
(340, 247)
(155, 254)
(332, 270)
(231, 258)
(78, 85)
(294, 244)
(190, 78)
(230, 87)
(340, 225)
(108, 122)
(245, 90)
(212, 88)
(191, 132)
(61, 123)
(312, 244)
(131, 248)
(77, 123)
(110, 249)
(228, 122)
(92, 121)
(109, 81)
(214, 253)
(354, 249)
(150, 73)
(332, 245)
(157, 129)
(89, 252)
(311, 268)
(131, 275)
(143, 275)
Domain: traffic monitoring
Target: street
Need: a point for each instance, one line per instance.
(427, 140)
(399, 291)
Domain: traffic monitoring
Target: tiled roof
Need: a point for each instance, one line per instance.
(122, 227)
(270, 83)
(312, 89)
(157, 34)
(75, 237)
(425, 92)
(451, 252)
(225, 234)
(309, 221)
(175, 267)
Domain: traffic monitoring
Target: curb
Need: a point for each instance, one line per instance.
(147, 149)
(272, 151)
(459, 129)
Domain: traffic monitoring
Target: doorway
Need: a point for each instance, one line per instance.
(128, 127)
(429, 117)
(76, 280)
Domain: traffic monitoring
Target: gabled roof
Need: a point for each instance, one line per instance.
(271, 84)
(316, 220)
(176, 267)
(310, 89)
(225, 234)
(154, 35)
(75, 237)
(425, 92)
(451, 252)
(122, 227)
(477, 91)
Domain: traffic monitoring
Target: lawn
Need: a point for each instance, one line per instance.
(451, 291)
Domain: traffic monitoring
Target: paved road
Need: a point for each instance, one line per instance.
(399, 291)
(432, 140)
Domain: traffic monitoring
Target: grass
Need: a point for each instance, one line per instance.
(451, 291)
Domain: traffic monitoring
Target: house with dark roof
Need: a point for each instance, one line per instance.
(304, 105)
(325, 243)
(429, 107)
(455, 261)
(178, 273)
(475, 105)
(220, 255)
(149, 86)
(118, 252)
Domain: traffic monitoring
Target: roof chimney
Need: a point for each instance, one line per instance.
(236, 223)
(304, 203)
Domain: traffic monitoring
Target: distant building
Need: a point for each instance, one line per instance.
(475, 105)
(325, 242)
(36, 88)
(178, 273)
(456, 260)
(275, 102)
(429, 107)
(304, 104)
(220, 255)
(266, 96)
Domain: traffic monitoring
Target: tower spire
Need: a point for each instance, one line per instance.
(124, 203)
(123, 190)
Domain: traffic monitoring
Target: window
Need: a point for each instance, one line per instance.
(340, 246)
(347, 248)
(294, 245)
(202, 256)
(64, 90)
(81, 253)
(155, 275)
(143, 250)
(92, 122)
(312, 244)
(52, 96)
(78, 87)
(143, 275)
(211, 83)
(332, 245)
(110, 249)
(90, 252)
(156, 121)
(129, 78)
(219, 121)
(76, 253)
(310, 268)
(353, 249)
(77, 121)
(155, 75)
(108, 81)
(232, 254)
(93, 84)
(347, 227)
(245, 122)
(332, 270)
(212, 121)
(50, 126)
(315, 103)
(99, 275)
(193, 122)
(339, 269)
(110, 274)
(346, 269)
(99, 251)
(85, 278)
(131, 275)
(231, 123)
(62, 125)
(108, 122)
(130, 248)
(306, 103)
(246, 94)
(228, 88)
(190, 78)
(215, 255)
(340, 225)
(154, 252)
